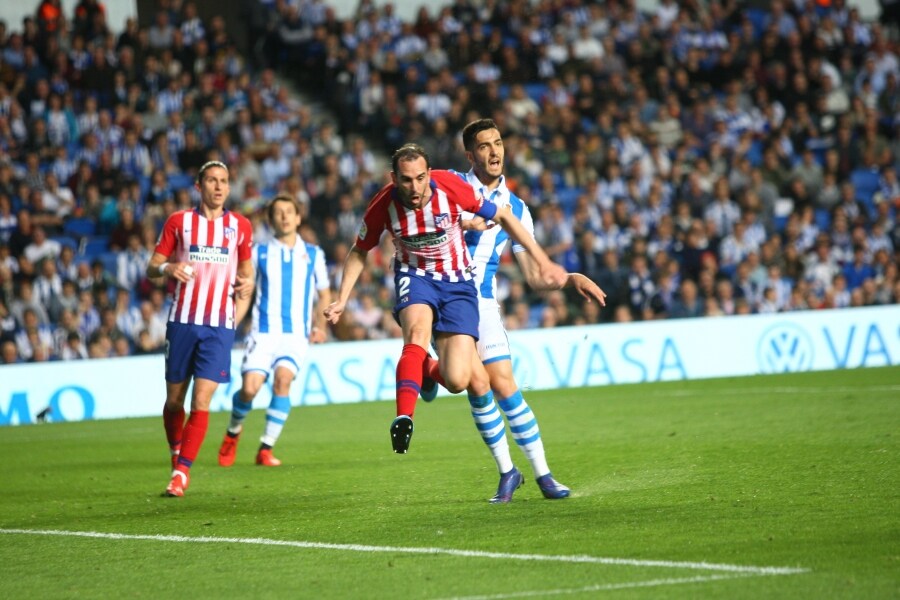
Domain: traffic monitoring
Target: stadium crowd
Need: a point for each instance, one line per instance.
(699, 159)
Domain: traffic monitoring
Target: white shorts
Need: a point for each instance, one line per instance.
(493, 343)
(267, 351)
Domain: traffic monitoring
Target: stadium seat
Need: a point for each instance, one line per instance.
(568, 197)
(754, 154)
(94, 246)
(823, 219)
(757, 17)
(65, 240)
(80, 227)
(865, 181)
(180, 181)
(109, 260)
(536, 91)
(144, 183)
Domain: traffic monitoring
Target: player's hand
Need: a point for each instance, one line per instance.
(316, 335)
(182, 271)
(554, 276)
(587, 288)
(243, 286)
(333, 312)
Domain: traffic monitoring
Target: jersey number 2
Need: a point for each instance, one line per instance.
(402, 288)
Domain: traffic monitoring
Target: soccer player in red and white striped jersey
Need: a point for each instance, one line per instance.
(421, 210)
(207, 250)
(427, 240)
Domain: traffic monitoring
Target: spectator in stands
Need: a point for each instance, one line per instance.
(41, 247)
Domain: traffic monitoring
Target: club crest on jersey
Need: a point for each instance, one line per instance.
(230, 232)
(442, 220)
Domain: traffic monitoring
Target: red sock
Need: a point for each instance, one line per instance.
(409, 378)
(173, 421)
(431, 368)
(194, 432)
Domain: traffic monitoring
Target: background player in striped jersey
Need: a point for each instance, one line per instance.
(421, 210)
(486, 242)
(207, 251)
(290, 277)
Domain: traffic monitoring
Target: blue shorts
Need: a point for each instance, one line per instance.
(455, 303)
(198, 350)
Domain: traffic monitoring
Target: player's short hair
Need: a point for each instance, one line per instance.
(270, 208)
(208, 165)
(471, 130)
(409, 152)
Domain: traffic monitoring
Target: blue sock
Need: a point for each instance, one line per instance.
(525, 431)
(239, 410)
(490, 424)
(276, 415)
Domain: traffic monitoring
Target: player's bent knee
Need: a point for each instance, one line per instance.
(455, 386)
(248, 392)
(479, 384)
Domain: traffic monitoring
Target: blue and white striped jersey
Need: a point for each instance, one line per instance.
(287, 284)
(486, 247)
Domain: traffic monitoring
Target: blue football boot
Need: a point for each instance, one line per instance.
(509, 483)
(551, 488)
(429, 389)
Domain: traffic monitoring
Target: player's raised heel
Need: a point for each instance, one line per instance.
(509, 483)
(264, 458)
(401, 434)
(178, 484)
(429, 389)
(228, 450)
(551, 488)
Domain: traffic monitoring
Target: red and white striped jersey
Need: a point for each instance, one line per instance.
(428, 241)
(213, 248)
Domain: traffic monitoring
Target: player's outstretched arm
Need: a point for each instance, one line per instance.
(353, 267)
(549, 273)
(583, 285)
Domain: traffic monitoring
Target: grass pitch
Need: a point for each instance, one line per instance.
(762, 487)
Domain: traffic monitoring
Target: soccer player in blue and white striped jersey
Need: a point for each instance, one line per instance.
(290, 278)
(486, 242)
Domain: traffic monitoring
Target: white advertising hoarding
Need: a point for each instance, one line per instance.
(543, 359)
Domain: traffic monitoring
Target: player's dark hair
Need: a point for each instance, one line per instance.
(208, 165)
(409, 152)
(471, 130)
(270, 209)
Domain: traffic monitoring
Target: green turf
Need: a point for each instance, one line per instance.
(784, 471)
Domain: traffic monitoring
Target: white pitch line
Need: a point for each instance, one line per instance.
(604, 587)
(698, 566)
